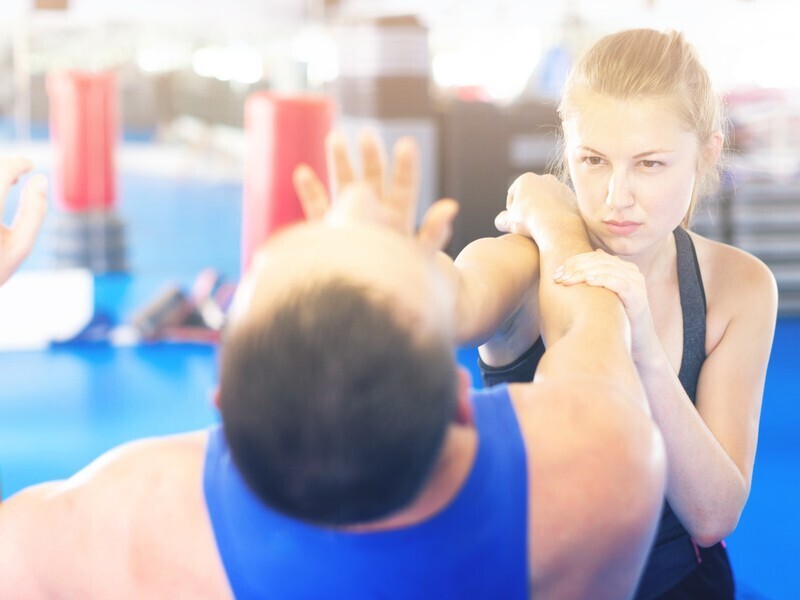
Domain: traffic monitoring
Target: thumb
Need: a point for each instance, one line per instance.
(502, 222)
(437, 224)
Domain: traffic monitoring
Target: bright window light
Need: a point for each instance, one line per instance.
(497, 60)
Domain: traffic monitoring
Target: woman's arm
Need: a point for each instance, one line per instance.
(711, 450)
(711, 444)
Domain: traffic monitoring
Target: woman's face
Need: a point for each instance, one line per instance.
(633, 167)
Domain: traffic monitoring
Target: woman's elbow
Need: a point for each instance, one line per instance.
(713, 534)
(715, 530)
(718, 523)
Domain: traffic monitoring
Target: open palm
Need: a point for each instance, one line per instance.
(392, 204)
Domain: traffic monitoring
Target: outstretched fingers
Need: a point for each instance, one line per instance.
(373, 162)
(341, 169)
(393, 203)
(404, 186)
(312, 194)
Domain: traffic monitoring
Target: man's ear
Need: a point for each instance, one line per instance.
(464, 411)
(215, 398)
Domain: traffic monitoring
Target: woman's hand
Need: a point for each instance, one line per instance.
(601, 269)
(538, 206)
(17, 241)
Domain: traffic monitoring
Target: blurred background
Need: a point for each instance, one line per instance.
(475, 82)
(138, 113)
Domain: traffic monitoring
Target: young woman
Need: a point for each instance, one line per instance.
(642, 132)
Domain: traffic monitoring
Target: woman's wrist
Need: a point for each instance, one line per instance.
(651, 360)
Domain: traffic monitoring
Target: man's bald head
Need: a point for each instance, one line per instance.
(338, 378)
(385, 264)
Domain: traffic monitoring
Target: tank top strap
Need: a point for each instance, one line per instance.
(693, 308)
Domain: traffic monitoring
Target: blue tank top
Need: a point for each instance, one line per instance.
(674, 555)
(476, 547)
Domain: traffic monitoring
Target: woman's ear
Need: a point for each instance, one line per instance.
(713, 149)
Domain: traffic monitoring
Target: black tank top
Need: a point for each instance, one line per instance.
(674, 554)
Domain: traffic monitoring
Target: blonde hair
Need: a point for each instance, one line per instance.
(640, 63)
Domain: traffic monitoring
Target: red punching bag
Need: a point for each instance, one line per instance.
(85, 231)
(83, 127)
(281, 132)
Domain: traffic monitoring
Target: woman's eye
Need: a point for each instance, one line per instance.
(592, 160)
(651, 164)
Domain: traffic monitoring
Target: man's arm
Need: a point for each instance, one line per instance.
(491, 277)
(595, 460)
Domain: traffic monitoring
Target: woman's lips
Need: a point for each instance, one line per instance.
(621, 227)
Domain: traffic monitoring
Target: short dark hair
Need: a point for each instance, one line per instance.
(335, 406)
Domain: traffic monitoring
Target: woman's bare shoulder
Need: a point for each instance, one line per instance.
(733, 278)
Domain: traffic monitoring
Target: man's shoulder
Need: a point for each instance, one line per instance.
(156, 451)
(125, 466)
(587, 408)
(146, 500)
(166, 460)
(104, 528)
(130, 488)
(552, 413)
